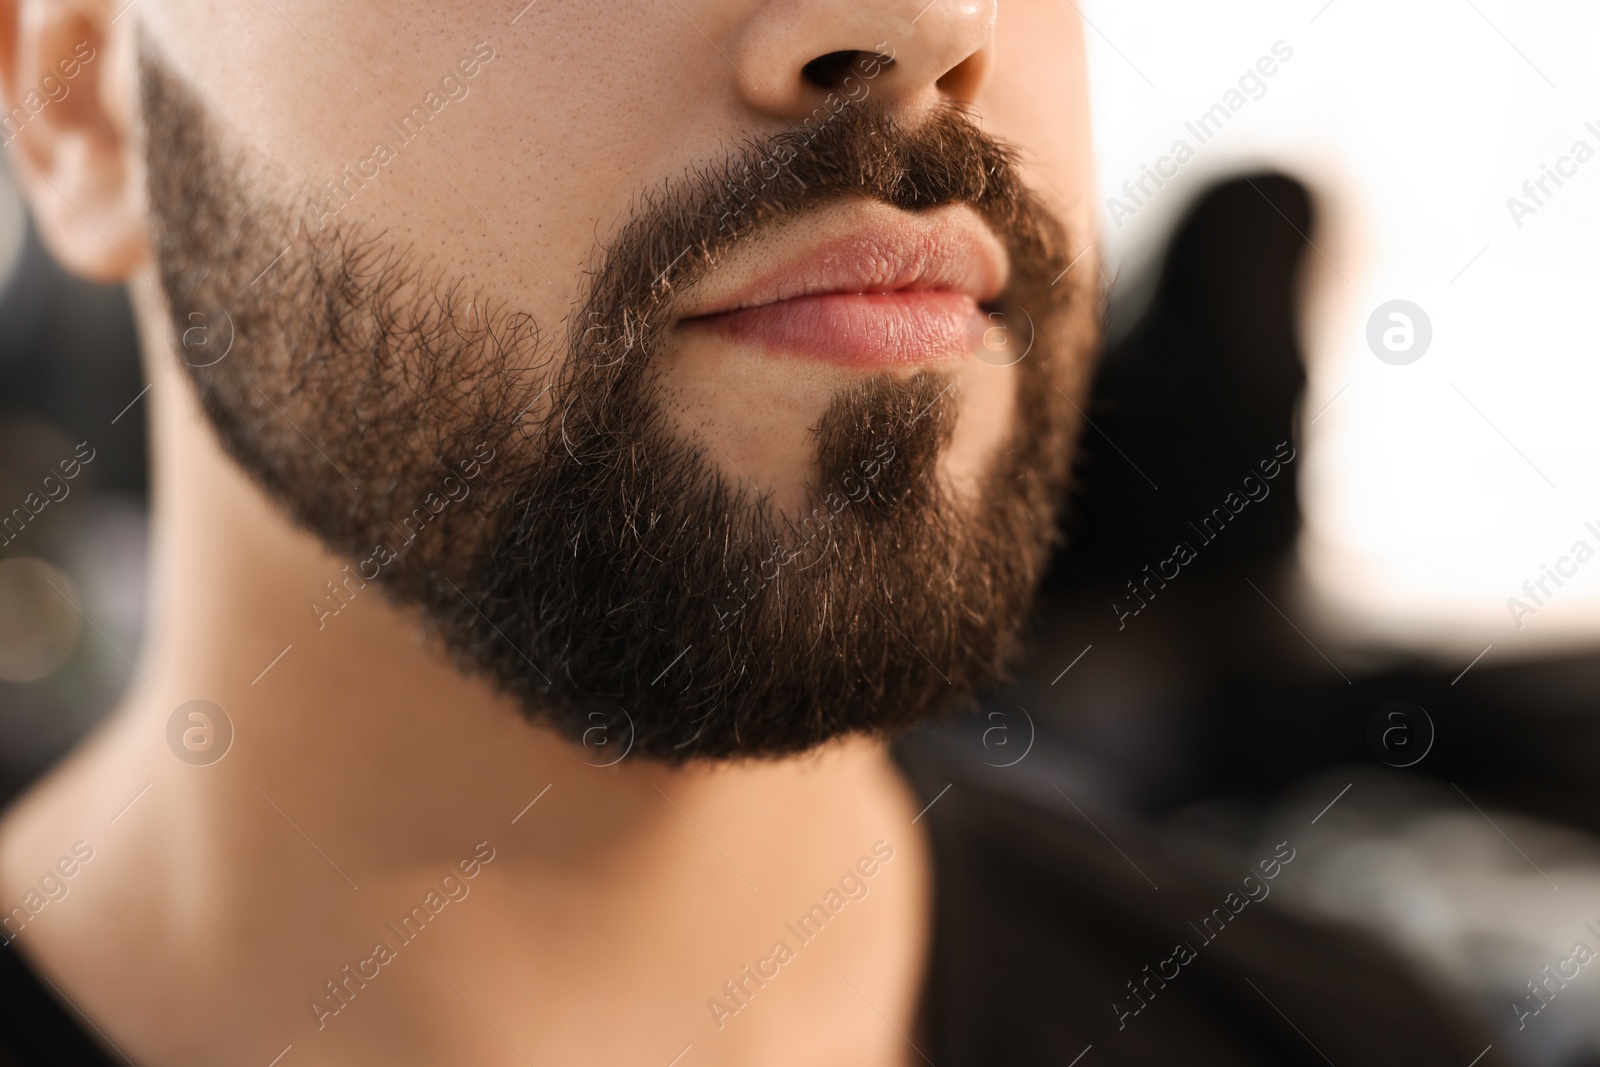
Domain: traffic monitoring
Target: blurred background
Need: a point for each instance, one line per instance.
(1349, 251)
(1341, 663)
(72, 549)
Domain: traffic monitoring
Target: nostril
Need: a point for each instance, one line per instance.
(961, 81)
(829, 71)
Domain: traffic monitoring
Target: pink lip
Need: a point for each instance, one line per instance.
(890, 296)
(899, 328)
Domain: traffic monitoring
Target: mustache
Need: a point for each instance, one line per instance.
(677, 235)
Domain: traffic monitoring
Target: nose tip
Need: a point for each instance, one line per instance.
(907, 56)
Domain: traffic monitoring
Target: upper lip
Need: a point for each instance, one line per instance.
(950, 249)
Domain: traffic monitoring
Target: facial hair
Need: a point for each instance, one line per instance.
(523, 489)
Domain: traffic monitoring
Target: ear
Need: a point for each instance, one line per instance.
(68, 83)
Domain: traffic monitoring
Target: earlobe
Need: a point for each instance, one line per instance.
(68, 87)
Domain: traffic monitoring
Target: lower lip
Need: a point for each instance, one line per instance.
(858, 329)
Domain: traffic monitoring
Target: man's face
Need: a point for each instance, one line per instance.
(699, 370)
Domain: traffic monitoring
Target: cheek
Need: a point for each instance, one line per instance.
(535, 241)
(1037, 95)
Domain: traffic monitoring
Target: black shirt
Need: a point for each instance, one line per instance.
(1040, 925)
(1041, 922)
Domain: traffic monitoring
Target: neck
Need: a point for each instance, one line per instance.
(364, 769)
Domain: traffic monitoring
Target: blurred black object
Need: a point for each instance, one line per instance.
(1198, 392)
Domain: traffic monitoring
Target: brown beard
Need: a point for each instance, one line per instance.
(585, 559)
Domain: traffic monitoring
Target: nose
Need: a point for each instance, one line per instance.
(906, 55)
